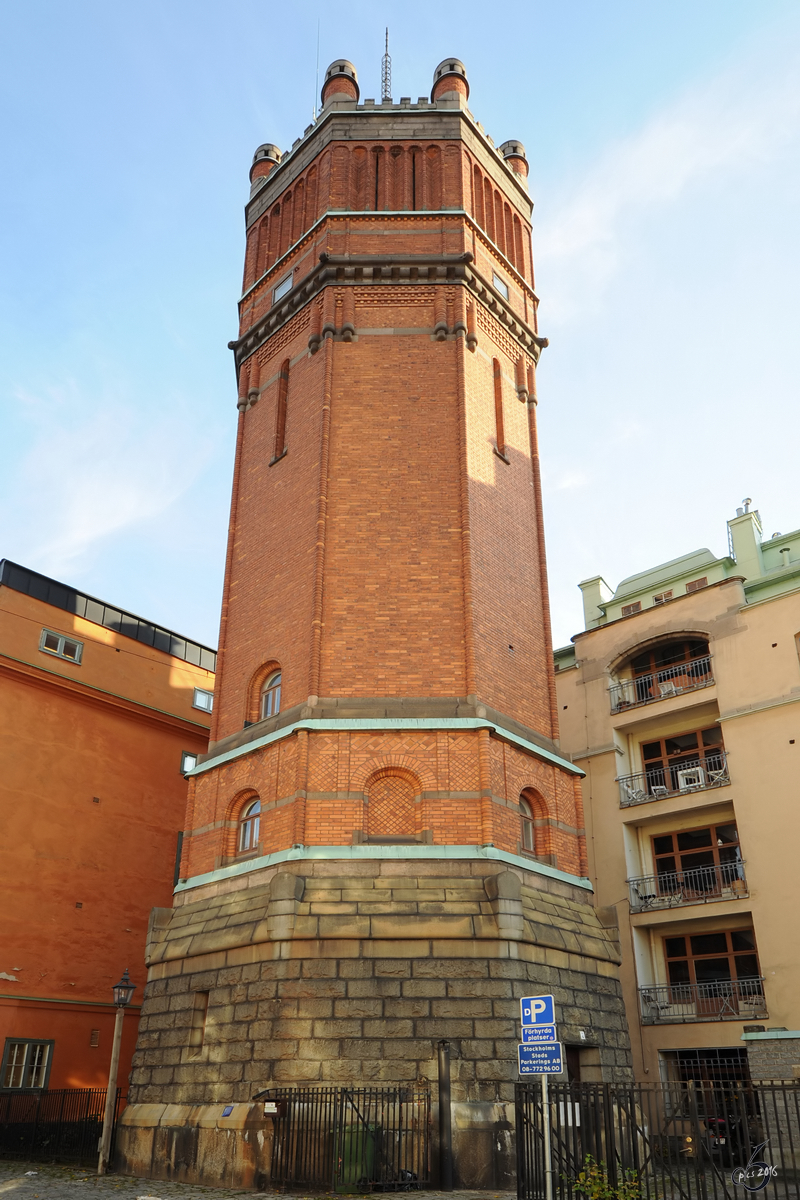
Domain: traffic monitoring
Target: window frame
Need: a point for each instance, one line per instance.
(48, 1043)
(62, 638)
(699, 878)
(696, 585)
(667, 766)
(690, 958)
(185, 755)
(249, 820)
(500, 285)
(207, 708)
(527, 827)
(271, 688)
(283, 287)
(629, 609)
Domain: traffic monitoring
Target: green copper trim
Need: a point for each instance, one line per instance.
(387, 723)
(395, 853)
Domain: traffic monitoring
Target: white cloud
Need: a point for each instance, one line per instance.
(742, 119)
(94, 468)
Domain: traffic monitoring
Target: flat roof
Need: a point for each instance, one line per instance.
(59, 595)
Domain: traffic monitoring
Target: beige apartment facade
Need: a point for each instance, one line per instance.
(681, 702)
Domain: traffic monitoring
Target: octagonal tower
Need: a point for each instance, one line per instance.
(384, 846)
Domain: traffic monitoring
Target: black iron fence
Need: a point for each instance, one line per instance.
(672, 1141)
(669, 681)
(717, 1000)
(351, 1139)
(688, 774)
(698, 885)
(54, 1126)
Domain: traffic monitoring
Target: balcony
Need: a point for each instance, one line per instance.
(719, 1000)
(673, 889)
(670, 681)
(676, 779)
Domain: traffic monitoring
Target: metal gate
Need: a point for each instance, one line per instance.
(672, 1141)
(351, 1139)
(54, 1126)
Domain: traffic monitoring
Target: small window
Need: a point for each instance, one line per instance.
(203, 700)
(26, 1065)
(188, 762)
(662, 597)
(282, 288)
(629, 609)
(696, 584)
(94, 1038)
(271, 696)
(249, 827)
(526, 818)
(61, 646)
(500, 284)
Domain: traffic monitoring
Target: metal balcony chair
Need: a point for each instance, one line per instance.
(691, 779)
(633, 794)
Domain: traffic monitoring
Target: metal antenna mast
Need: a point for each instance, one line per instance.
(386, 72)
(316, 81)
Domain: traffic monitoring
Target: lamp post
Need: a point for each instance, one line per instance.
(123, 994)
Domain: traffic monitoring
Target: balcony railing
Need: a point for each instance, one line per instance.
(720, 1000)
(671, 681)
(722, 881)
(675, 779)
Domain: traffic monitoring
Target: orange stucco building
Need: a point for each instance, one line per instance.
(98, 713)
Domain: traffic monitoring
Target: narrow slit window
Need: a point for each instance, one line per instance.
(281, 289)
(498, 408)
(250, 827)
(280, 413)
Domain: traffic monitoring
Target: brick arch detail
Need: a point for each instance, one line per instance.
(254, 687)
(391, 803)
(233, 811)
(400, 764)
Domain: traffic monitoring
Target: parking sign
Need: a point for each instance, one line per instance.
(541, 1060)
(537, 1010)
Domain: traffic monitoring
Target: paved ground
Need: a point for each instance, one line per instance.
(24, 1181)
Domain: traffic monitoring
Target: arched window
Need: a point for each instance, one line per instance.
(249, 827)
(271, 695)
(526, 821)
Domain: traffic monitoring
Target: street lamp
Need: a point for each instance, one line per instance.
(123, 994)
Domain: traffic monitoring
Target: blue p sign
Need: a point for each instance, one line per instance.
(538, 1010)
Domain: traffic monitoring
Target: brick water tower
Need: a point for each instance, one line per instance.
(384, 847)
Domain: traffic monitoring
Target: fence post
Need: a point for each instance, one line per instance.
(548, 1153)
(700, 1173)
(445, 1120)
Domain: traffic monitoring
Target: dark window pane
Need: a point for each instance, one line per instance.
(698, 649)
(682, 743)
(709, 943)
(673, 652)
(693, 839)
(746, 966)
(726, 834)
(665, 865)
(707, 970)
(712, 737)
(651, 750)
(663, 845)
(642, 663)
(702, 858)
(675, 947)
(679, 972)
(743, 939)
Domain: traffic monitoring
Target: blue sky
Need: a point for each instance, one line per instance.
(663, 143)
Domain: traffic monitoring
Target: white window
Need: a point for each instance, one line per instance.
(203, 699)
(61, 646)
(249, 827)
(188, 762)
(25, 1064)
(282, 288)
(271, 696)
(500, 284)
(662, 597)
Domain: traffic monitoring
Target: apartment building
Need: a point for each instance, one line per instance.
(101, 716)
(680, 702)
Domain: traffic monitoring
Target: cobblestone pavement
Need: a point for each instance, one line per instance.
(37, 1181)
